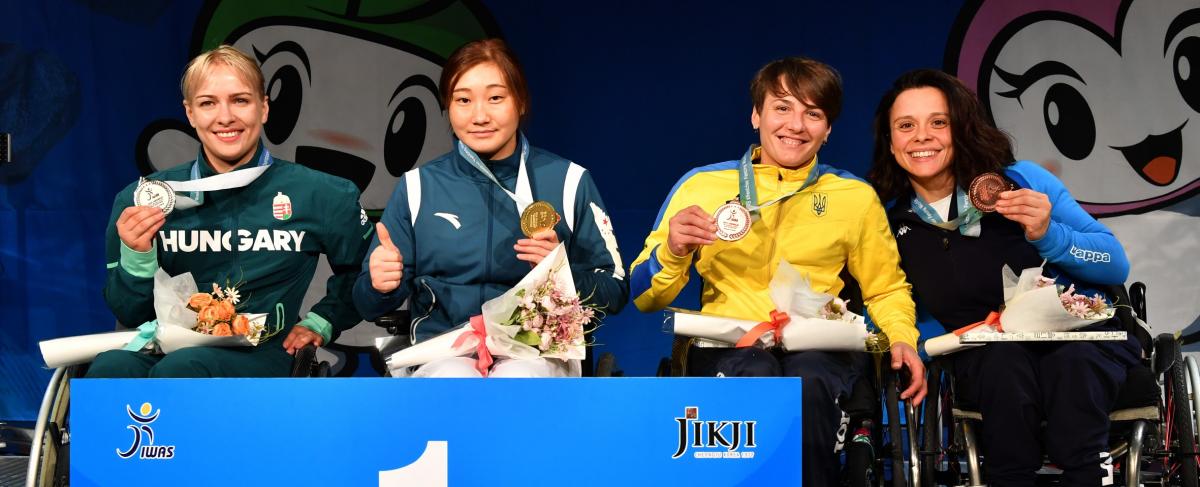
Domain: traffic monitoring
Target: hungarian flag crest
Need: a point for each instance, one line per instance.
(281, 207)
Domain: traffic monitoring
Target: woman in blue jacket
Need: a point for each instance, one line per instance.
(451, 239)
(931, 141)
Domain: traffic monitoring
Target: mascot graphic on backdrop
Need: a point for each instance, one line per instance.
(1105, 94)
(352, 87)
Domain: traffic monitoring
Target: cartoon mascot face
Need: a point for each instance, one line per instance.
(1105, 94)
(352, 84)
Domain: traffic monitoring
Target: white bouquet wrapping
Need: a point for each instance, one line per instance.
(541, 316)
(1032, 303)
(808, 320)
(171, 331)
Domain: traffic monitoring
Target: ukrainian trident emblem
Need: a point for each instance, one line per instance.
(819, 202)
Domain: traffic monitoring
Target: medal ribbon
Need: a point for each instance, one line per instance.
(196, 186)
(524, 195)
(967, 222)
(748, 195)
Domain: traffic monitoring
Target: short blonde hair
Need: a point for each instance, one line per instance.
(201, 66)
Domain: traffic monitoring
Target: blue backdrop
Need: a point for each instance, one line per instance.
(638, 92)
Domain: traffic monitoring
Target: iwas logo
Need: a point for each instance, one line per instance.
(713, 439)
(143, 436)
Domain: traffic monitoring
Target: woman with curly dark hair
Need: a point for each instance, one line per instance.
(933, 142)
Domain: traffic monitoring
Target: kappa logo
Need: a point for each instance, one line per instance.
(362, 216)
(903, 230)
(143, 436)
(450, 217)
(1090, 255)
(820, 202)
(714, 439)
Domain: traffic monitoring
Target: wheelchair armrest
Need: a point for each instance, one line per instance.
(396, 323)
(304, 360)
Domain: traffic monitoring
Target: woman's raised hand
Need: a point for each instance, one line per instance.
(386, 264)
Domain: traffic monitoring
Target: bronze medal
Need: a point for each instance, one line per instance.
(733, 222)
(985, 191)
(537, 217)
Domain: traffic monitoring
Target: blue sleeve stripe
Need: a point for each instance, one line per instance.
(639, 282)
(720, 166)
(841, 173)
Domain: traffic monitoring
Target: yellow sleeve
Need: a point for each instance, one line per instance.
(875, 263)
(657, 275)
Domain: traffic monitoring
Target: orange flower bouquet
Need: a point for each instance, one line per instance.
(216, 315)
(184, 318)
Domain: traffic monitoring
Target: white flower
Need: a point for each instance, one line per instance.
(232, 294)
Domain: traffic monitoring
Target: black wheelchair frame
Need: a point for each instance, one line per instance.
(1153, 435)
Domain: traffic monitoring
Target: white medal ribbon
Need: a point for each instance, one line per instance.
(230, 180)
(524, 195)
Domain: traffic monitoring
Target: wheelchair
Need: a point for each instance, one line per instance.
(877, 447)
(1153, 424)
(49, 453)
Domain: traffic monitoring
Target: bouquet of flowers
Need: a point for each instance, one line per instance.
(1078, 305)
(551, 319)
(804, 320)
(1032, 303)
(216, 315)
(542, 316)
(1035, 303)
(184, 318)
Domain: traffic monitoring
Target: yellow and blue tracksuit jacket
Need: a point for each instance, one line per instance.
(836, 222)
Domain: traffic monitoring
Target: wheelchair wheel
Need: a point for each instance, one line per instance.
(931, 427)
(49, 458)
(1181, 432)
(891, 384)
(1193, 375)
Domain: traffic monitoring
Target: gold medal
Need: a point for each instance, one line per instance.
(537, 217)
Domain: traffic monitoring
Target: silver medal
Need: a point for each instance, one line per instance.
(733, 222)
(154, 193)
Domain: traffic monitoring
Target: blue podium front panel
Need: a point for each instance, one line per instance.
(436, 432)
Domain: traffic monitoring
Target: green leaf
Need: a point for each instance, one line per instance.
(529, 338)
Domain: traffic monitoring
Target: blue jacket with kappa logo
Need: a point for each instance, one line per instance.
(456, 230)
(956, 279)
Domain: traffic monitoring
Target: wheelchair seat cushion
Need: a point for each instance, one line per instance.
(1139, 390)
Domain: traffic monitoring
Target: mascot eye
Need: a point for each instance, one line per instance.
(1069, 121)
(1187, 71)
(405, 136)
(286, 93)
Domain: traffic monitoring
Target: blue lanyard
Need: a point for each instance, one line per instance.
(967, 222)
(524, 195)
(748, 196)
